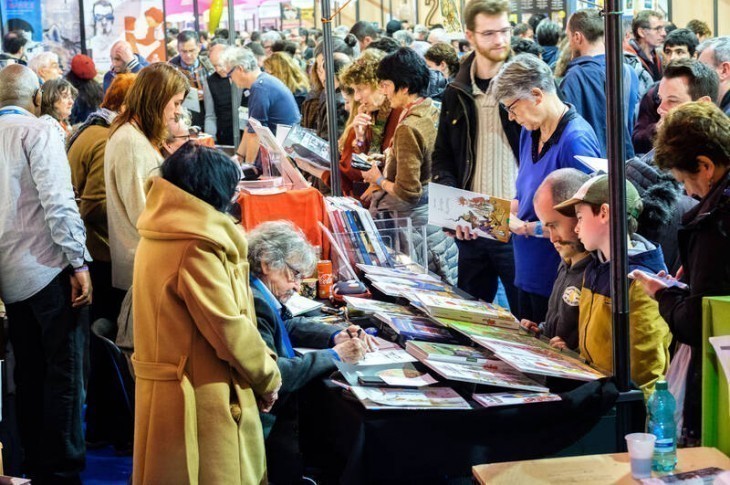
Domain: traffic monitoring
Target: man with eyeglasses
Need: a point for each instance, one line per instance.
(477, 146)
(196, 68)
(269, 101)
(649, 34)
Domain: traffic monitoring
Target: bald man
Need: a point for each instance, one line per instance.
(44, 281)
(123, 60)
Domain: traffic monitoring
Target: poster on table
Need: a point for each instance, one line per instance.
(139, 22)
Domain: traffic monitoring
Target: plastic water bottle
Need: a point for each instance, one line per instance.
(661, 407)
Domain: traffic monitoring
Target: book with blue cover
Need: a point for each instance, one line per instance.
(416, 328)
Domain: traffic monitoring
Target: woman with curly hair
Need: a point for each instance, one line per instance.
(370, 127)
(282, 66)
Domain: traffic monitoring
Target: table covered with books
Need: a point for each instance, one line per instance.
(454, 382)
(463, 395)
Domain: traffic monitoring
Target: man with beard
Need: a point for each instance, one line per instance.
(477, 146)
(561, 320)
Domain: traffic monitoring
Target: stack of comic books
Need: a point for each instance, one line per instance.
(355, 232)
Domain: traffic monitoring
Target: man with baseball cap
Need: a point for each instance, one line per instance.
(649, 334)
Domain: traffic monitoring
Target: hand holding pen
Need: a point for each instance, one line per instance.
(356, 332)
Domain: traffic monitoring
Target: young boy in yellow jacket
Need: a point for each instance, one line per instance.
(649, 334)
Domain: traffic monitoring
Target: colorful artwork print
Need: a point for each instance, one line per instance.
(484, 215)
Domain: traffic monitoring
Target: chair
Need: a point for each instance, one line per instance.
(110, 397)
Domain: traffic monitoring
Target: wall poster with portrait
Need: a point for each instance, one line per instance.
(139, 22)
(62, 29)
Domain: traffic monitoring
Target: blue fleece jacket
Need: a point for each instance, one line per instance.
(536, 260)
(584, 86)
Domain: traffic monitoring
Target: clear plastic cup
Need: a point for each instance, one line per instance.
(641, 450)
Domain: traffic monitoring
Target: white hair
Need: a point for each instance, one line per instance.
(520, 76)
(280, 244)
(404, 38)
(271, 36)
(43, 60)
(341, 31)
(239, 56)
(720, 49)
(438, 35)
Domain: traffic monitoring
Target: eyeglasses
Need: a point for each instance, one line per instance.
(293, 274)
(489, 34)
(230, 73)
(510, 108)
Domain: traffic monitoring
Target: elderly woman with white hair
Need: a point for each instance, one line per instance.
(553, 133)
(46, 65)
(279, 257)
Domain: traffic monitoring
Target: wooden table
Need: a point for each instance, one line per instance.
(594, 469)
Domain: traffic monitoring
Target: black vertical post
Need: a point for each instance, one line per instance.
(234, 88)
(329, 87)
(357, 10)
(617, 197)
(82, 29)
(196, 14)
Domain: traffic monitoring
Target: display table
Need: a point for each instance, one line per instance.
(399, 446)
(594, 469)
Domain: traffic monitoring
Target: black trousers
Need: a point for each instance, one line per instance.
(50, 340)
(107, 299)
(481, 262)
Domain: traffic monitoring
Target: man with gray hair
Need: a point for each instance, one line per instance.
(404, 38)
(269, 101)
(44, 280)
(561, 319)
(716, 54)
(420, 34)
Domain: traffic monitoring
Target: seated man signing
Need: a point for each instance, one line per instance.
(649, 334)
(561, 320)
(279, 256)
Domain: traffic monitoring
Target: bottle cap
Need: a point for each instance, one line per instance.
(661, 386)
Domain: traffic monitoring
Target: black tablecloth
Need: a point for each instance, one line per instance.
(361, 446)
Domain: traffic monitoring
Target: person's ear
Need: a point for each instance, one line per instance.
(537, 94)
(704, 99)
(706, 168)
(605, 212)
(265, 268)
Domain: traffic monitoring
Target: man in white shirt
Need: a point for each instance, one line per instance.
(44, 280)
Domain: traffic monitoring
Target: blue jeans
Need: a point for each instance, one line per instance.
(50, 340)
(481, 263)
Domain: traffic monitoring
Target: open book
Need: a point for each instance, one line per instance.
(485, 215)
(275, 151)
(302, 143)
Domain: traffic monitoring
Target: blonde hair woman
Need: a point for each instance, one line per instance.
(282, 66)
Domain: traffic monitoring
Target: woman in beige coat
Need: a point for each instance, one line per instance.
(203, 371)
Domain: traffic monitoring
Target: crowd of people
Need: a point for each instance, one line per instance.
(102, 182)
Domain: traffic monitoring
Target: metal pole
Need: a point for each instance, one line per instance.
(196, 13)
(329, 87)
(82, 29)
(164, 24)
(234, 88)
(357, 10)
(617, 197)
(716, 22)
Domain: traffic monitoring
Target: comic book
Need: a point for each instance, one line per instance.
(450, 207)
